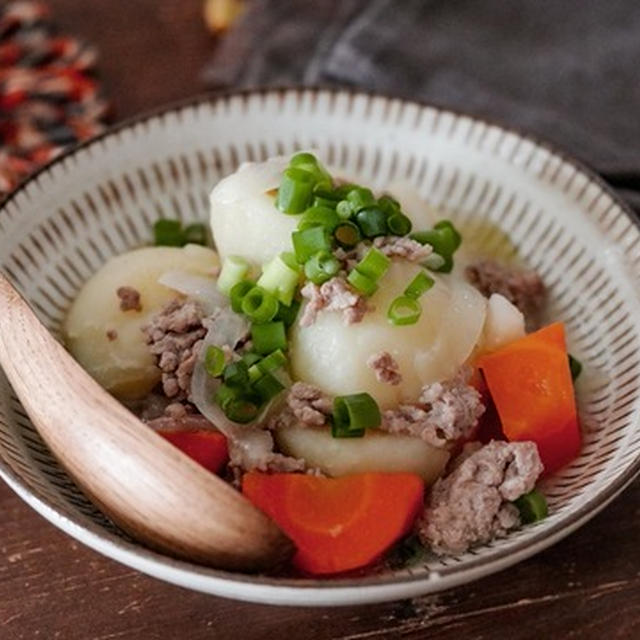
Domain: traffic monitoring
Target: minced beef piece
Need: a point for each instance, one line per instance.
(306, 406)
(333, 295)
(473, 504)
(174, 336)
(385, 368)
(445, 412)
(522, 287)
(129, 299)
(403, 247)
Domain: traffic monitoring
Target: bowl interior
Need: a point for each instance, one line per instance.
(102, 200)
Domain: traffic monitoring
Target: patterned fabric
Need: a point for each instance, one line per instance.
(48, 99)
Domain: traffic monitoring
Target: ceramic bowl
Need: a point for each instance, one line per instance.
(102, 198)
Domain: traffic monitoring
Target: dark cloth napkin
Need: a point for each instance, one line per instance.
(566, 70)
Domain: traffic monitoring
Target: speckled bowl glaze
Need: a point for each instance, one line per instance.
(102, 198)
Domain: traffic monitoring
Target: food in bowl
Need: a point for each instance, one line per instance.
(341, 359)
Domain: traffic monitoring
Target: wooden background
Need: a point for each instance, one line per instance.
(51, 587)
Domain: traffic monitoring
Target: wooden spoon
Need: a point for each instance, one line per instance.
(144, 484)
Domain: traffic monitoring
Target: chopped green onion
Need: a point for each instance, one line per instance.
(268, 337)
(280, 278)
(320, 201)
(196, 233)
(434, 262)
(236, 374)
(296, 190)
(234, 269)
(303, 160)
(361, 283)
(322, 216)
(341, 191)
(273, 361)
(444, 242)
(321, 267)
(359, 198)
(308, 242)
(268, 387)
(288, 314)
(374, 264)
(442, 224)
(389, 205)
(168, 233)
(353, 414)
(575, 366)
(404, 311)
(532, 507)
(399, 224)
(344, 209)
(347, 234)
(237, 294)
(308, 162)
(419, 285)
(254, 373)
(242, 409)
(372, 222)
(259, 305)
(250, 359)
(214, 360)
(226, 395)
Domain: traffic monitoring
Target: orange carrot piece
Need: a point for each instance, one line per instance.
(530, 384)
(206, 447)
(338, 524)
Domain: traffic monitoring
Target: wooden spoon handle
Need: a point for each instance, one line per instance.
(144, 484)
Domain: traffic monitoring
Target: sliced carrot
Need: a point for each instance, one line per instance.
(530, 384)
(338, 524)
(206, 447)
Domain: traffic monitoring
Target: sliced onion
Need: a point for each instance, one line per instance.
(200, 288)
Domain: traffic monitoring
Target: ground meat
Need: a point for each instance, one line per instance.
(174, 337)
(403, 247)
(523, 288)
(385, 368)
(308, 404)
(112, 335)
(186, 422)
(445, 412)
(129, 299)
(334, 295)
(472, 505)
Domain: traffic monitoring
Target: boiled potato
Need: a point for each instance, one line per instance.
(244, 218)
(376, 451)
(333, 356)
(123, 364)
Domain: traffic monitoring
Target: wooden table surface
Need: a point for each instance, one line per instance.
(587, 586)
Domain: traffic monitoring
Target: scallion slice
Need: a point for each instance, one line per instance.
(259, 305)
(399, 224)
(296, 190)
(322, 216)
(251, 358)
(359, 198)
(404, 311)
(374, 264)
(321, 267)
(532, 507)
(419, 285)
(308, 242)
(372, 222)
(389, 204)
(267, 387)
(442, 224)
(196, 233)
(269, 337)
(237, 294)
(214, 361)
(288, 314)
(347, 234)
(344, 209)
(361, 283)
(168, 233)
(275, 360)
(236, 374)
(353, 414)
(280, 278)
(234, 269)
(243, 409)
(575, 366)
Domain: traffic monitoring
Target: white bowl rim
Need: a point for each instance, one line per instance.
(312, 592)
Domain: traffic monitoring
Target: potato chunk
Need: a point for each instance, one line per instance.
(107, 341)
(376, 451)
